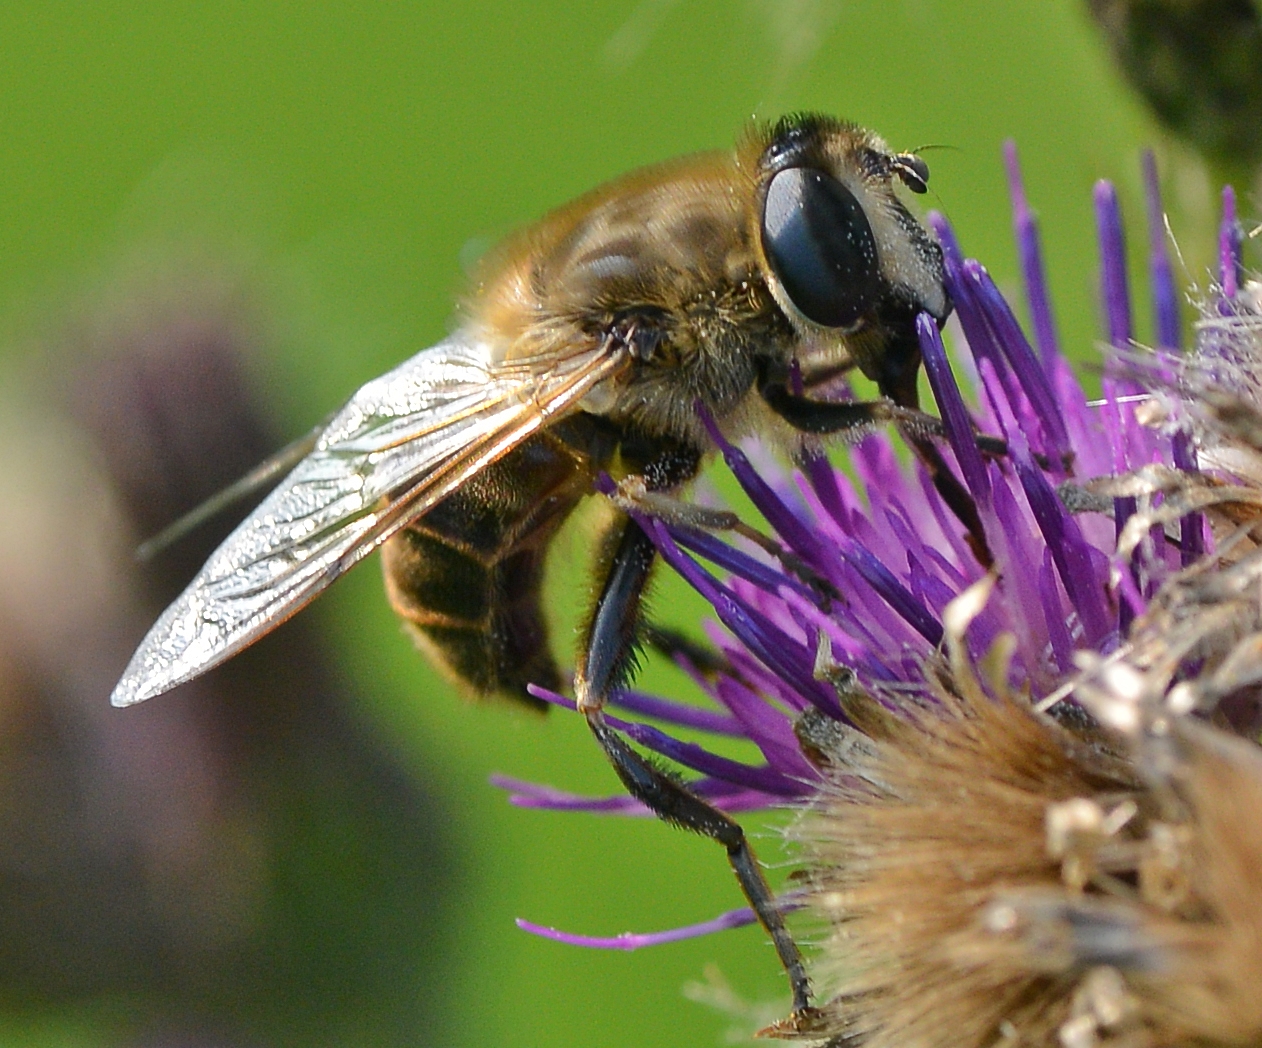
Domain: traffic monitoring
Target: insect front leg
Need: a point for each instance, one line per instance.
(919, 429)
(898, 381)
(605, 658)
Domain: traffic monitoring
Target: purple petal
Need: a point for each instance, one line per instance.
(766, 682)
(689, 754)
(1113, 284)
(954, 415)
(768, 642)
(635, 940)
(1054, 615)
(955, 578)
(981, 341)
(873, 601)
(871, 661)
(1167, 326)
(891, 490)
(1229, 247)
(946, 237)
(1164, 296)
(1019, 591)
(927, 587)
(1070, 553)
(556, 699)
(722, 795)
(823, 478)
(737, 562)
(786, 523)
(947, 523)
(1020, 356)
(965, 284)
(1027, 236)
(677, 713)
(524, 794)
(893, 592)
(769, 729)
(1092, 452)
(1116, 294)
(764, 779)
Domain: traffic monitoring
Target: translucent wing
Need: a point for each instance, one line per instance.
(403, 442)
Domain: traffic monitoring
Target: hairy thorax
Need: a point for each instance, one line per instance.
(665, 256)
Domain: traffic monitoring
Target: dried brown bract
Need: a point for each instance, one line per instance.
(987, 874)
(1199, 644)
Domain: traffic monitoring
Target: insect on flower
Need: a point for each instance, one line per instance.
(709, 296)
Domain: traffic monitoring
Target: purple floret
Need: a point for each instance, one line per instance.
(1025, 227)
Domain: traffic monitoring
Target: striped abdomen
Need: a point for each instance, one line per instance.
(468, 575)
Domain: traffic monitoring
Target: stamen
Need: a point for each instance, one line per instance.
(1165, 297)
(1028, 248)
(954, 415)
(1229, 249)
(1168, 329)
(636, 940)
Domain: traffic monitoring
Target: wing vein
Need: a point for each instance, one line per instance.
(402, 443)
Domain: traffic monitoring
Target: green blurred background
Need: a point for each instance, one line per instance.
(319, 176)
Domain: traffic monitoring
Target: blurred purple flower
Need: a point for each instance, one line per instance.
(178, 858)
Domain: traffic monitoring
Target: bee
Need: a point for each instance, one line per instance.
(728, 281)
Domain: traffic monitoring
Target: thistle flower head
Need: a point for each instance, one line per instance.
(1012, 829)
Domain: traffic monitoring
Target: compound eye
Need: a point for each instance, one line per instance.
(820, 245)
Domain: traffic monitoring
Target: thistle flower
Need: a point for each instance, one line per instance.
(1028, 809)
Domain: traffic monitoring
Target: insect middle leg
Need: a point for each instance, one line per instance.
(605, 658)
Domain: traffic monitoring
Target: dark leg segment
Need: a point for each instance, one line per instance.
(672, 802)
(954, 494)
(898, 381)
(608, 651)
(822, 416)
(673, 644)
(603, 661)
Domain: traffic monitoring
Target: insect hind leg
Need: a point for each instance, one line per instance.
(605, 657)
